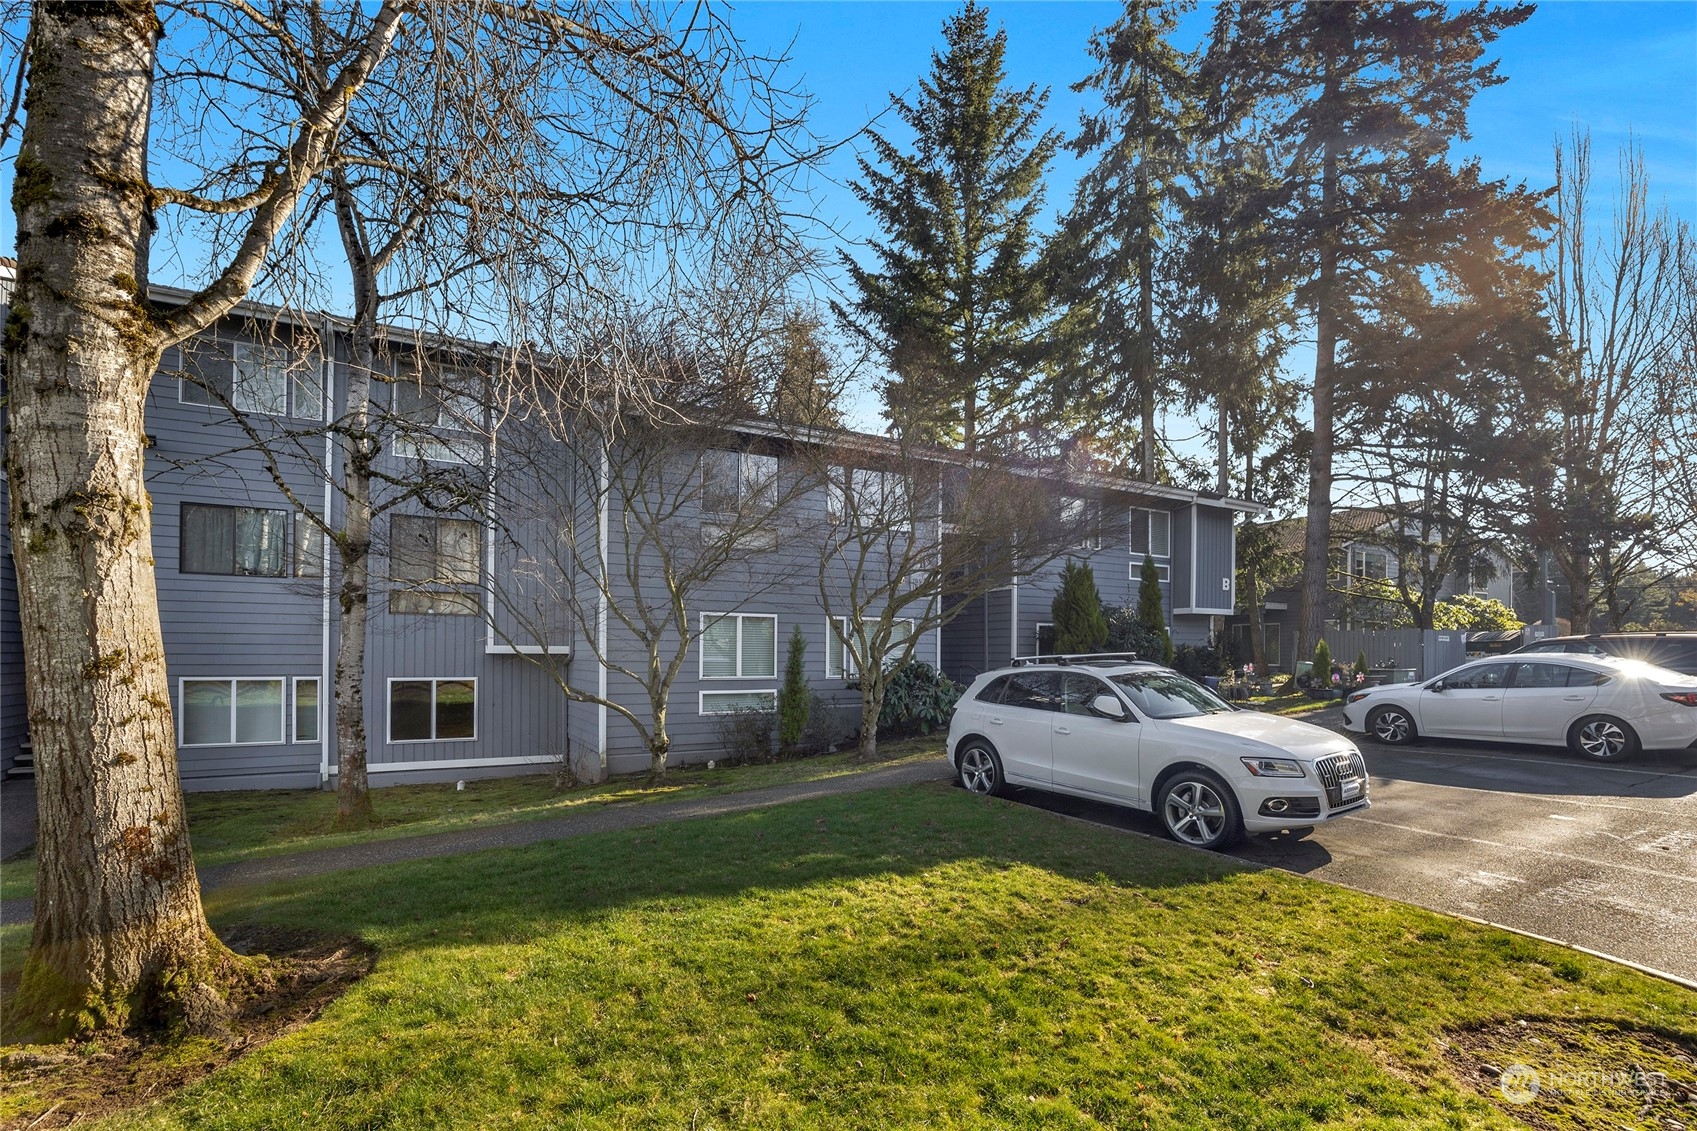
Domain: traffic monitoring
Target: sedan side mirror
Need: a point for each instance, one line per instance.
(1108, 705)
(1436, 685)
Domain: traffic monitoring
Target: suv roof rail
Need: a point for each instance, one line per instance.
(1063, 659)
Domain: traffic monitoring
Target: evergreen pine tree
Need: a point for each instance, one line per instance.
(956, 297)
(1364, 126)
(1080, 623)
(1108, 260)
(794, 699)
(1151, 613)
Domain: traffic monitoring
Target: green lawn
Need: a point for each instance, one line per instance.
(1297, 704)
(243, 824)
(903, 958)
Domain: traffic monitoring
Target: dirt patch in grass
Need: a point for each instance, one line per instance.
(54, 1086)
(1556, 1074)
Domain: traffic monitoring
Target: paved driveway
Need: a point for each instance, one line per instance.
(1604, 857)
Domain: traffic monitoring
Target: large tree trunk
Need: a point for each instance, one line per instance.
(871, 706)
(353, 784)
(353, 790)
(119, 931)
(1316, 547)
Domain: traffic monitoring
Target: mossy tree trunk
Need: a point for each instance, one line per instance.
(118, 924)
(120, 936)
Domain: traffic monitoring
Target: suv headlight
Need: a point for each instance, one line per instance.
(1273, 767)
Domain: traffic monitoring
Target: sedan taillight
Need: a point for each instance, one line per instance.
(1688, 698)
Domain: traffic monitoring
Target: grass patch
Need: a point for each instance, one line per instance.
(229, 826)
(900, 958)
(1297, 704)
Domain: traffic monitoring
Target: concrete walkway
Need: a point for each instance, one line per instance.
(606, 818)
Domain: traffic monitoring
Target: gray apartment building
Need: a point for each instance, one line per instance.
(474, 624)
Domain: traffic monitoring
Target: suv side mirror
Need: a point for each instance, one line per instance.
(1108, 705)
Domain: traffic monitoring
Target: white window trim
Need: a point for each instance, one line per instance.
(701, 645)
(1090, 520)
(851, 669)
(294, 713)
(1037, 636)
(282, 714)
(1163, 569)
(433, 680)
(701, 698)
(1149, 514)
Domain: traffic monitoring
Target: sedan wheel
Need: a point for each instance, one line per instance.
(1200, 810)
(980, 768)
(1391, 725)
(1602, 739)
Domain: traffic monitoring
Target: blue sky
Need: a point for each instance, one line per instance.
(1616, 68)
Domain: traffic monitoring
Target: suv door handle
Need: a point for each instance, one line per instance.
(995, 720)
(1491, 699)
(1573, 698)
(1063, 730)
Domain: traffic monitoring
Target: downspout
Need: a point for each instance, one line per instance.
(601, 610)
(327, 345)
(1013, 620)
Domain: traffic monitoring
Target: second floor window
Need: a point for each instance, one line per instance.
(869, 499)
(434, 408)
(1366, 562)
(1151, 533)
(435, 562)
(738, 483)
(242, 541)
(267, 379)
(1081, 521)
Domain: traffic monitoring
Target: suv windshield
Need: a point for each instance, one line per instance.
(1168, 695)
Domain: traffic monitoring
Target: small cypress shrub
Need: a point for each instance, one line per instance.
(795, 701)
(1322, 664)
(1080, 624)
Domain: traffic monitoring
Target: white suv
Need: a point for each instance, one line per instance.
(1138, 734)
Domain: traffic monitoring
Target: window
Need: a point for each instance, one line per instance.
(1368, 563)
(1168, 695)
(269, 378)
(727, 702)
(432, 710)
(309, 548)
(431, 552)
(231, 712)
(244, 541)
(1035, 691)
(1081, 523)
(1045, 640)
(1081, 691)
(877, 500)
(739, 646)
(306, 709)
(1485, 677)
(427, 403)
(735, 483)
(839, 657)
(1151, 533)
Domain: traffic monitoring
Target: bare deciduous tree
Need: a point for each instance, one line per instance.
(120, 935)
(1617, 302)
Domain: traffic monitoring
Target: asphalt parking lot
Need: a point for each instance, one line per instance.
(1603, 857)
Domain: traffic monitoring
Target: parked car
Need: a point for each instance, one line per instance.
(1600, 707)
(1674, 650)
(1142, 735)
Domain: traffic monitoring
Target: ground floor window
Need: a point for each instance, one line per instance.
(306, 709)
(1045, 640)
(839, 657)
(1269, 640)
(231, 712)
(725, 702)
(432, 710)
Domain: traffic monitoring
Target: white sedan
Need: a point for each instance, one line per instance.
(1138, 734)
(1598, 706)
